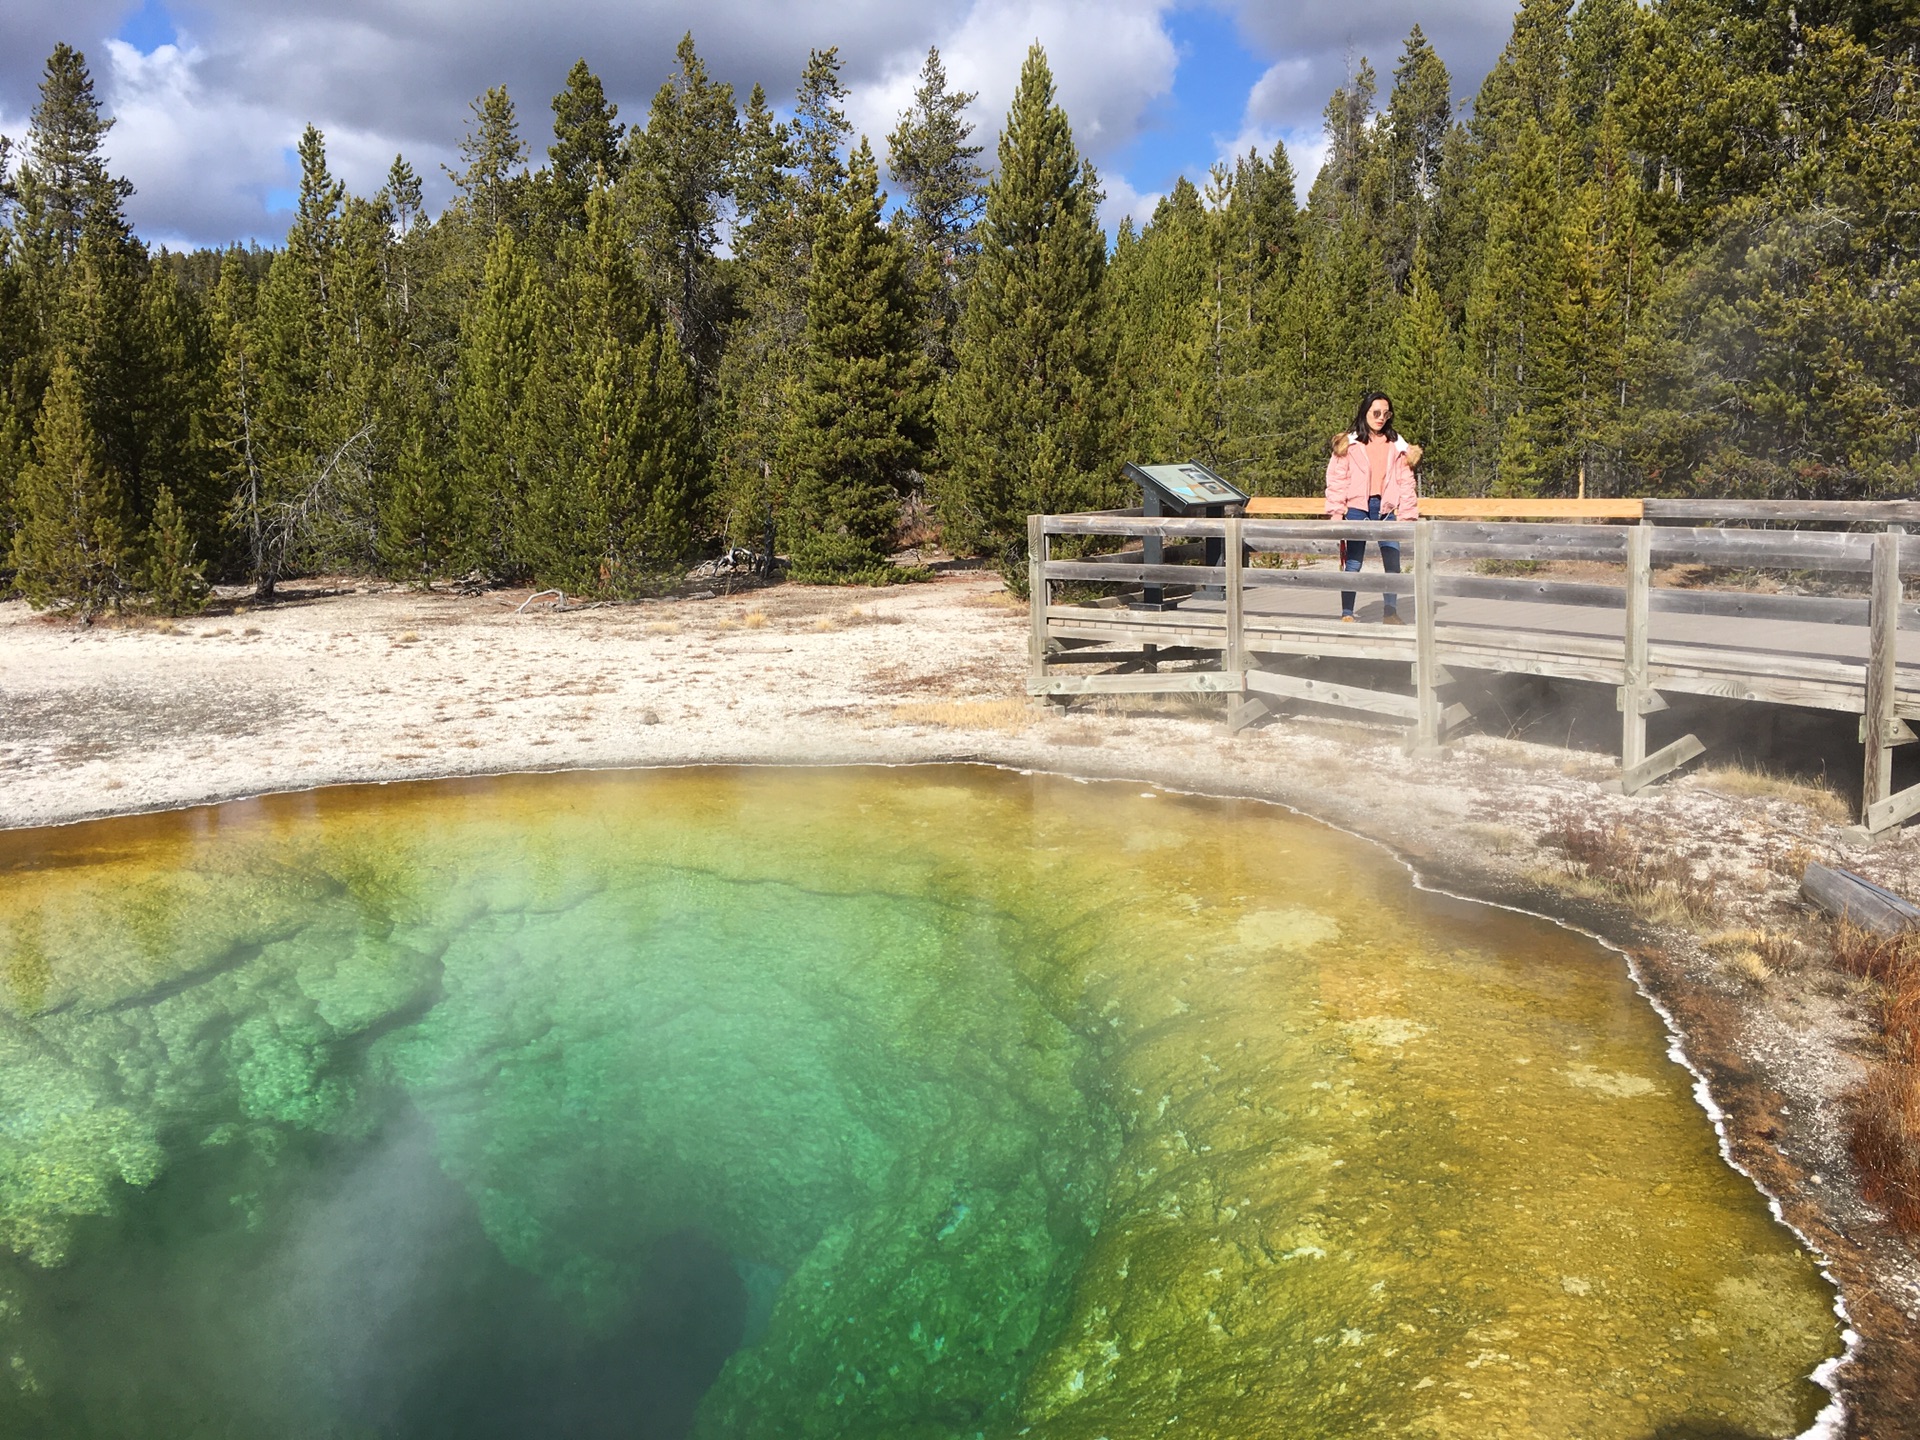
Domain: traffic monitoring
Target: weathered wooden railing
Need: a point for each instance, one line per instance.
(1243, 620)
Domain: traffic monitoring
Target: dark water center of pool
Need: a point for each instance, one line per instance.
(931, 1103)
(410, 1321)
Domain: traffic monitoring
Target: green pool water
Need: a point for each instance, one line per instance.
(855, 1103)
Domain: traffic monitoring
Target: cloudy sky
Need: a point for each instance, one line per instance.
(210, 95)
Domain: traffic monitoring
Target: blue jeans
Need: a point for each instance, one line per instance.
(1357, 551)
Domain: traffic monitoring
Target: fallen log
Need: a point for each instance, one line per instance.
(1850, 897)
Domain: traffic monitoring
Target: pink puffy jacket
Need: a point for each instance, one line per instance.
(1348, 483)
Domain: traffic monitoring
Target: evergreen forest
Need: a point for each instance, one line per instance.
(1666, 249)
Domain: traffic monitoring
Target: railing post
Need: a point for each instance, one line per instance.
(1426, 655)
(1883, 624)
(1234, 659)
(1037, 599)
(1633, 685)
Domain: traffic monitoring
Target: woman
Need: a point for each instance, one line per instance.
(1370, 477)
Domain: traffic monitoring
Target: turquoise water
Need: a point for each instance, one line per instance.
(862, 1103)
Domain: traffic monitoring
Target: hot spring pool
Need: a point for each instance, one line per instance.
(844, 1103)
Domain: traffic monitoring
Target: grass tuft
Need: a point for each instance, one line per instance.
(1883, 1114)
(1010, 717)
(1613, 862)
(1743, 783)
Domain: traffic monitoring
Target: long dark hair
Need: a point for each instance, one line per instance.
(1360, 429)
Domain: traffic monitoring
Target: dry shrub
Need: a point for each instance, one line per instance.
(1499, 839)
(1881, 958)
(663, 627)
(1884, 1113)
(1885, 1125)
(754, 619)
(1790, 860)
(1010, 717)
(1779, 950)
(1649, 878)
(1759, 784)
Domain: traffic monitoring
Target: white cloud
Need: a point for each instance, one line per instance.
(1124, 202)
(1322, 40)
(205, 125)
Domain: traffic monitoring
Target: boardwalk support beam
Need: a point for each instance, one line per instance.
(1883, 623)
(1429, 723)
(1662, 762)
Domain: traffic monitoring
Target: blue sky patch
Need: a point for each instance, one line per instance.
(148, 28)
(1184, 133)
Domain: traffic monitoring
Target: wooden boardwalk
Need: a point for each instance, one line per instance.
(1242, 626)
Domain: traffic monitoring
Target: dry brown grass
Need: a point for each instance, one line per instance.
(1169, 707)
(1638, 870)
(1498, 839)
(1009, 717)
(1883, 1118)
(754, 620)
(1743, 783)
(1756, 955)
(664, 627)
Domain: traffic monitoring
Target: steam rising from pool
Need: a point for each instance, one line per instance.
(933, 1103)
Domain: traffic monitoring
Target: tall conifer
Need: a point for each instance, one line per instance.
(71, 548)
(1021, 419)
(944, 187)
(681, 179)
(861, 420)
(586, 149)
(498, 406)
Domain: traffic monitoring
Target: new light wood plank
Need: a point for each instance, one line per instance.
(1457, 507)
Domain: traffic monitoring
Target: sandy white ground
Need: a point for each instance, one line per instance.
(334, 683)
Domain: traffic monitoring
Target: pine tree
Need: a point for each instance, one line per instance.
(491, 185)
(498, 406)
(71, 548)
(1021, 423)
(1339, 191)
(616, 478)
(1419, 114)
(681, 178)
(763, 341)
(421, 530)
(944, 186)
(1254, 246)
(792, 172)
(64, 165)
(1162, 313)
(1512, 318)
(172, 578)
(1423, 376)
(587, 147)
(238, 457)
(818, 134)
(861, 419)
